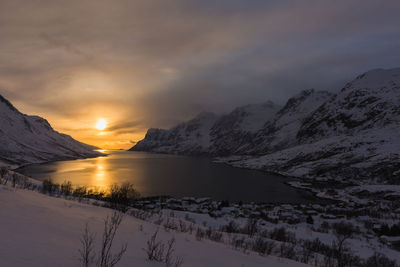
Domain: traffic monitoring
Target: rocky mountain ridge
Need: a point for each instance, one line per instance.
(28, 139)
(354, 133)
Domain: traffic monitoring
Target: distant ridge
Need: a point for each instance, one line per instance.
(28, 139)
(353, 134)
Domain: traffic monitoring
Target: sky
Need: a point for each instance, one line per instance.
(140, 64)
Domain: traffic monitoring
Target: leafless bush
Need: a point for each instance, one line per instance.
(251, 227)
(262, 246)
(122, 196)
(280, 234)
(316, 246)
(213, 235)
(49, 187)
(237, 242)
(14, 179)
(187, 218)
(306, 254)
(231, 227)
(66, 188)
(80, 192)
(200, 234)
(342, 232)
(380, 260)
(170, 225)
(111, 225)
(3, 172)
(140, 214)
(288, 251)
(155, 251)
(105, 257)
(86, 252)
(183, 227)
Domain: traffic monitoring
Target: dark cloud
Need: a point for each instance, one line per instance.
(156, 62)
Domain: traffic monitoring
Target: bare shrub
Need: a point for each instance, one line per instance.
(170, 225)
(154, 249)
(306, 254)
(288, 251)
(66, 188)
(3, 172)
(111, 225)
(342, 231)
(122, 196)
(86, 252)
(49, 187)
(183, 227)
(80, 192)
(158, 251)
(251, 227)
(105, 257)
(200, 234)
(237, 242)
(231, 227)
(280, 234)
(262, 246)
(380, 260)
(15, 179)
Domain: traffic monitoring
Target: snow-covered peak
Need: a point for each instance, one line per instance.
(300, 105)
(375, 79)
(190, 137)
(31, 139)
(372, 100)
(249, 118)
(281, 132)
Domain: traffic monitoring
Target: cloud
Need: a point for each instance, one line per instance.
(155, 63)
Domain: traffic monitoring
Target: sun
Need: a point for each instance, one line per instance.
(101, 124)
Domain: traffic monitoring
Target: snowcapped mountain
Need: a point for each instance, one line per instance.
(281, 131)
(192, 137)
(237, 129)
(352, 134)
(370, 101)
(30, 139)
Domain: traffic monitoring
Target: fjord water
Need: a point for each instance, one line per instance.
(178, 176)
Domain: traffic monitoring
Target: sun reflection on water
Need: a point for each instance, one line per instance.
(101, 177)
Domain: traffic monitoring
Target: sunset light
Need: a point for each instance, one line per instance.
(101, 124)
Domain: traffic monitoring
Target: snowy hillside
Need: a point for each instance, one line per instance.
(351, 134)
(191, 137)
(237, 128)
(30, 139)
(38, 230)
(281, 132)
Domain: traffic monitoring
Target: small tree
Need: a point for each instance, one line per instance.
(310, 219)
(15, 179)
(105, 257)
(251, 226)
(155, 251)
(111, 224)
(342, 231)
(49, 187)
(87, 253)
(3, 172)
(380, 260)
(66, 188)
(122, 196)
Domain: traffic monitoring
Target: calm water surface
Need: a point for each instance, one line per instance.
(178, 176)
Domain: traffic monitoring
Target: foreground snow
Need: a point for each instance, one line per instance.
(39, 230)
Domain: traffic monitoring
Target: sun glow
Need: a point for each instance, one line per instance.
(101, 124)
